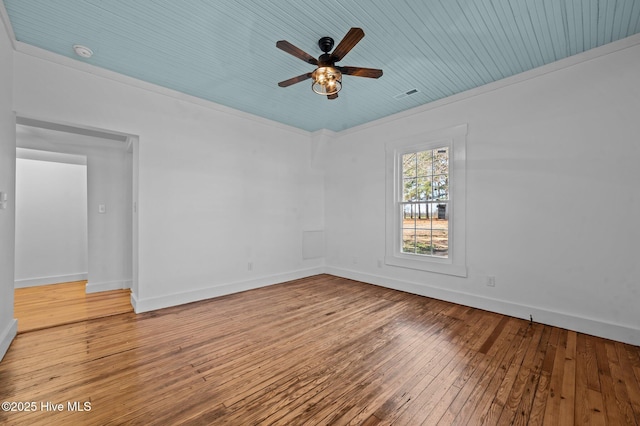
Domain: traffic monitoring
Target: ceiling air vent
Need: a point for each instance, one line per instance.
(405, 94)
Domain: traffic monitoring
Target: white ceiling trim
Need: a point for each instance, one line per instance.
(4, 16)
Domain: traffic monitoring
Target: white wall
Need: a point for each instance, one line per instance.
(110, 243)
(108, 182)
(552, 198)
(51, 222)
(8, 325)
(218, 189)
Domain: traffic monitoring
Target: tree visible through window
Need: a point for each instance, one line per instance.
(425, 202)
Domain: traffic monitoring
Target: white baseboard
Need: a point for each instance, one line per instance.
(619, 332)
(159, 302)
(92, 287)
(56, 279)
(134, 303)
(607, 330)
(7, 336)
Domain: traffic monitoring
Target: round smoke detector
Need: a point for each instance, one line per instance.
(82, 51)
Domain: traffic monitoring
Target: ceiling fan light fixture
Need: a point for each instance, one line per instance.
(327, 78)
(326, 81)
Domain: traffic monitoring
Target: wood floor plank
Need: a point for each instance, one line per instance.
(552, 409)
(566, 413)
(597, 412)
(57, 304)
(582, 408)
(433, 400)
(613, 415)
(345, 410)
(432, 397)
(485, 411)
(620, 389)
(322, 351)
(432, 378)
(538, 408)
(533, 363)
(342, 361)
(629, 379)
(472, 392)
(517, 380)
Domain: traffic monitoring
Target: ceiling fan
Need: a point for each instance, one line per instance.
(327, 78)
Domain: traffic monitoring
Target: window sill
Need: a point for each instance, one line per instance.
(438, 266)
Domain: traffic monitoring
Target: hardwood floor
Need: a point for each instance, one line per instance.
(321, 350)
(51, 305)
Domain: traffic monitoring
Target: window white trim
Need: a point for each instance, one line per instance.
(455, 138)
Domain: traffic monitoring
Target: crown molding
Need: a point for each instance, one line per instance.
(8, 28)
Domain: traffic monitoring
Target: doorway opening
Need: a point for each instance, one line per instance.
(76, 225)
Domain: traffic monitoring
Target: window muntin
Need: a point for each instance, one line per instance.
(425, 202)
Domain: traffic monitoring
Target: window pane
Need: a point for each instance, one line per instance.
(441, 161)
(441, 216)
(424, 188)
(423, 241)
(409, 216)
(410, 190)
(421, 214)
(441, 187)
(424, 165)
(414, 213)
(408, 241)
(440, 242)
(409, 165)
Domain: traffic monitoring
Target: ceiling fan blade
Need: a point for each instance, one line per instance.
(334, 96)
(294, 80)
(295, 51)
(347, 43)
(361, 72)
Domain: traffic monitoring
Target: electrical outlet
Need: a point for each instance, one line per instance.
(490, 281)
(250, 266)
(379, 263)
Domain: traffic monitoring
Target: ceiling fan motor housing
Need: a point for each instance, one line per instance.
(325, 60)
(325, 44)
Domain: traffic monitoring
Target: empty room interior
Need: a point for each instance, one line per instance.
(362, 212)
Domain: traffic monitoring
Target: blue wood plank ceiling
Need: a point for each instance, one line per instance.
(224, 51)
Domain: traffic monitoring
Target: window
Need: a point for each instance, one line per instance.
(426, 202)
(425, 195)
